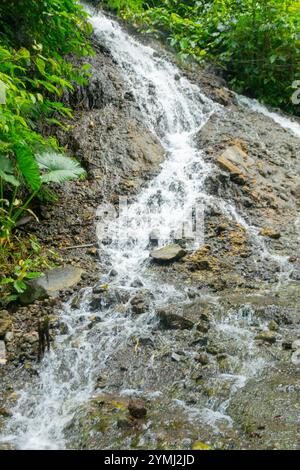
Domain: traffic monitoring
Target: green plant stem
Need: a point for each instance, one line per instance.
(12, 201)
(24, 207)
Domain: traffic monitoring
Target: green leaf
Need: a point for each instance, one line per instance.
(10, 179)
(6, 164)
(58, 168)
(28, 166)
(20, 286)
(33, 275)
(40, 65)
(6, 280)
(23, 53)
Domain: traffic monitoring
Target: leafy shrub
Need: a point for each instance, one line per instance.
(257, 42)
(37, 41)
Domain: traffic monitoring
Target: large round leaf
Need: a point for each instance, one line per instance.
(58, 168)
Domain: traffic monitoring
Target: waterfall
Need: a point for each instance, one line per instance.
(175, 110)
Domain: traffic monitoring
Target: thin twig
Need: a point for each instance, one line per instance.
(78, 246)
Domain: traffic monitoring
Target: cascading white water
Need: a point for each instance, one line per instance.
(283, 121)
(175, 110)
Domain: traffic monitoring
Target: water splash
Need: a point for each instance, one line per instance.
(285, 122)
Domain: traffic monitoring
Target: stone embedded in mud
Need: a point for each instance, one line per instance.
(5, 323)
(136, 283)
(173, 321)
(124, 424)
(137, 409)
(202, 358)
(295, 344)
(106, 298)
(4, 412)
(3, 359)
(140, 302)
(287, 345)
(31, 337)
(176, 357)
(295, 359)
(267, 336)
(228, 161)
(203, 326)
(51, 283)
(9, 337)
(270, 233)
(168, 254)
(273, 326)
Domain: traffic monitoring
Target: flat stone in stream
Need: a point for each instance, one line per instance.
(173, 321)
(168, 254)
(267, 336)
(50, 283)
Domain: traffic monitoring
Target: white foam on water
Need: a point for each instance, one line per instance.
(285, 122)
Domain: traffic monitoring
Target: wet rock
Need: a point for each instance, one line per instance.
(113, 273)
(273, 326)
(287, 345)
(31, 338)
(168, 254)
(137, 409)
(75, 303)
(154, 238)
(51, 283)
(125, 424)
(270, 233)
(267, 336)
(173, 321)
(202, 358)
(93, 319)
(3, 359)
(136, 283)
(176, 357)
(4, 412)
(93, 252)
(227, 161)
(9, 337)
(101, 382)
(107, 298)
(295, 344)
(5, 323)
(295, 359)
(140, 303)
(100, 289)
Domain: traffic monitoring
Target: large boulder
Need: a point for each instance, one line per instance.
(51, 283)
(168, 253)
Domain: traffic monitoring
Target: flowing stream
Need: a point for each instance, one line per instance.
(175, 110)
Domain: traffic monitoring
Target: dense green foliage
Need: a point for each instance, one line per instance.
(36, 39)
(256, 42)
